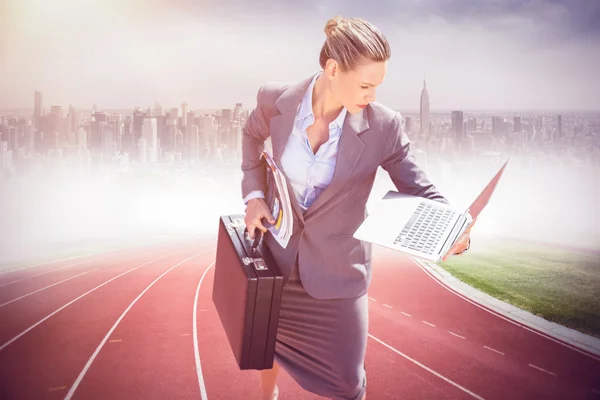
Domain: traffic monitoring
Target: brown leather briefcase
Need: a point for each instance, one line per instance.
(247, 294)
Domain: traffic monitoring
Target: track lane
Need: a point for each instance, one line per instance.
(389, 375)
(149, 353)
(18, 274)
(37, 283)
(24, 313)
(407, 302)
(45, 361)
(400, 284)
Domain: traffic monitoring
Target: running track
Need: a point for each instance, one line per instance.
(139, 324)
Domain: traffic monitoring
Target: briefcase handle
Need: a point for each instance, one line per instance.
(257, 237)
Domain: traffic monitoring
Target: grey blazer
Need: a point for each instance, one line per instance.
(332, 264)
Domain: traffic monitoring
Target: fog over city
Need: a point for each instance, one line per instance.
(549, 204)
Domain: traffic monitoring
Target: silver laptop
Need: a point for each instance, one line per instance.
(421, 227)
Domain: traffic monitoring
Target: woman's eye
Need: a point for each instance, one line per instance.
(364, 87)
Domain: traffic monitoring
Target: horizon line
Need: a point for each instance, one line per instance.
(404, 110)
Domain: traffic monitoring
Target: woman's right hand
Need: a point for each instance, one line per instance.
(256, 210)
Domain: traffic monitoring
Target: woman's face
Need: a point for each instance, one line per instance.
(356, 88)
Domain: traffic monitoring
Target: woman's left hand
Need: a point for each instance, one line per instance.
(462, 244)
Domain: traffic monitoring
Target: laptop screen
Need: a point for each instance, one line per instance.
(484, 197)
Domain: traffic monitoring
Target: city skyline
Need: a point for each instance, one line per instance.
(517, 55)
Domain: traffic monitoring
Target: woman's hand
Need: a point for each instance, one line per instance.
(462, 244)
(256, 210)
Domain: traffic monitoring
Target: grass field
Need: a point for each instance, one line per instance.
(559, 285)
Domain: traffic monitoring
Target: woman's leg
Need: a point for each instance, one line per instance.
(268, 382)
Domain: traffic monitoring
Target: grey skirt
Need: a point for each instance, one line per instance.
(322, 343)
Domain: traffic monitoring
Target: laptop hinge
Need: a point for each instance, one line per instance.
(457, 229)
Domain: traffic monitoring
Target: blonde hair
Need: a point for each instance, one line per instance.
(350, 40)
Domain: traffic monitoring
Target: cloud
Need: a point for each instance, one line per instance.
(475, 54)
(552, 19)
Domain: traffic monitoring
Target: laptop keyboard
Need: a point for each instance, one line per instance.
(425, 228)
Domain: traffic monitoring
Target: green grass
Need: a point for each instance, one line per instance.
(559, 285)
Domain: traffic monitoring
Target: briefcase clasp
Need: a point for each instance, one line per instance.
(237, 223)
(259, 263)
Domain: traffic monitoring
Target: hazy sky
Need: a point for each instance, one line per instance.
(475, 54)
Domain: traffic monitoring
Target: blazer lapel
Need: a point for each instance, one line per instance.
(349, 151)
(281, 128)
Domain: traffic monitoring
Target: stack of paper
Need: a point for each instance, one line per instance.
(278, 200)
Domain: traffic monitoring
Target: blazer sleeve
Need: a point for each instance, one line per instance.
(398, 160)
(254, 134)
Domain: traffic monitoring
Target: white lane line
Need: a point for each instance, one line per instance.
(44, 288)
(93, 357)
(427, 368)
(370, 298)
(408, 315)
(17, 269)
(452, 333)
(494, 350)
(73, 301)
(542, 369)
(48, 263)
(425, 322)
(201, 384)
(44, 273)
(385, 305)
(65, 267)
(495, 313)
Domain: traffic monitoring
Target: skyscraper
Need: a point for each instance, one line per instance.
(424, 111)
(517, 124)
(457, 126)
(559, 125)
(150, 136)
(184, 112)
(37, 110)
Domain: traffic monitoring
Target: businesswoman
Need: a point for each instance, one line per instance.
(329, 136)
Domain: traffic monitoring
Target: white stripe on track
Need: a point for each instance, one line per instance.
(65, 267)
(22, 268)
(80, 297)
(542, 369)
(49, 286)
(71, 258)
(93, 357)
(203, 394)
(427, 368)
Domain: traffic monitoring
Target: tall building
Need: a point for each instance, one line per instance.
(158, 109)
(559, 125)
(237, 112)
(457, 126)
(37, 110)
(424, 111)
(226, 133)
(499, 126)
(517, 124)
(408, 125)
(150, 135)
(74, 119)
(184, 112)
(471, 125)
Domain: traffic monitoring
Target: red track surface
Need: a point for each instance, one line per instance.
(121, 326)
